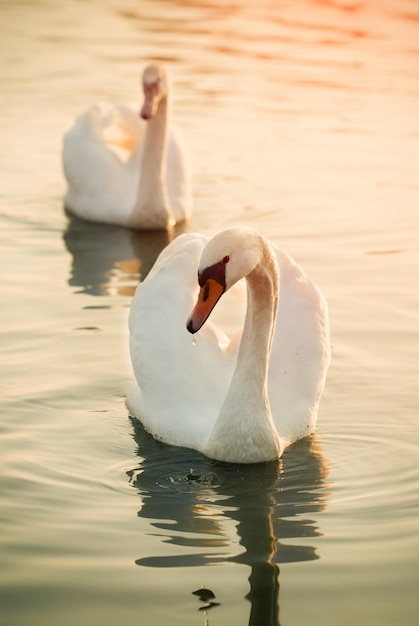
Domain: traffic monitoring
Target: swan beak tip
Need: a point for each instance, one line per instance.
(190, 327)
(145, 113)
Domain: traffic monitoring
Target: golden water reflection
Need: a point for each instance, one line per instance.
(110, 260)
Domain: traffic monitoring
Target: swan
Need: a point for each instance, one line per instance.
(148, 189)
(242, 400)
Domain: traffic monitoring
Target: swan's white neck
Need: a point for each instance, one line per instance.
(152, 209)
(244, 431)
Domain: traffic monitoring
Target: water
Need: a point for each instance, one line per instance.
(302, 121)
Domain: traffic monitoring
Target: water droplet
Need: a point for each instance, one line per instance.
(194, 341)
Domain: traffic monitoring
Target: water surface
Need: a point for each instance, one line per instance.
(302, 121)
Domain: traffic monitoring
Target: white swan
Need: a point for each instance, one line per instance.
(239, 401)
(151, 188)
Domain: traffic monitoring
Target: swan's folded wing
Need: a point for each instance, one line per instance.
(300, 352)
(99, 182)
(182, 382)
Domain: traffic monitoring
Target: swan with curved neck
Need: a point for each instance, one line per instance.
(147, 185)
(245, 412)
(238, 406)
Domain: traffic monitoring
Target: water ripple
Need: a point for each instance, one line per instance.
(198, 502)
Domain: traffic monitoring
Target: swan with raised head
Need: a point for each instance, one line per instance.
(124, 170)
(241, 400)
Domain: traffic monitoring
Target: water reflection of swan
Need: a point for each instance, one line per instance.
(187, 496)
(148, 187)
(110, 259)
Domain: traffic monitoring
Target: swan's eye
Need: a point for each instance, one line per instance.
(226, 259)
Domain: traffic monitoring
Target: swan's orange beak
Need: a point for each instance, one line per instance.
(149, 108)
(209, 294)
